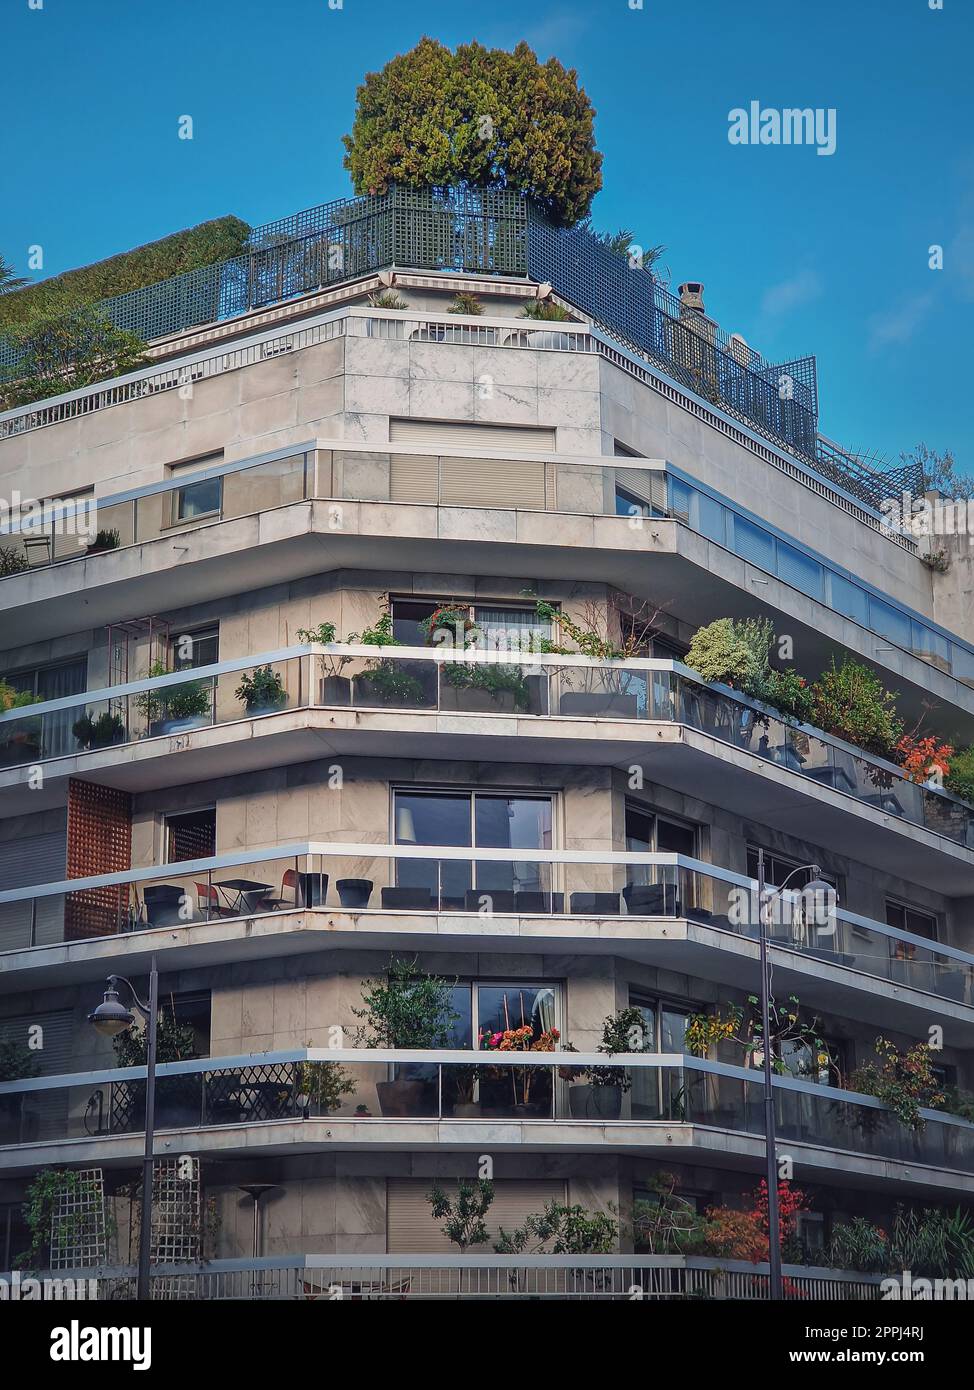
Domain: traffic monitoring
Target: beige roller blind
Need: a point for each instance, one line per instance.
(644, 484)
(492, 483)
(410, 1229)
(413, 477)
(442, 434)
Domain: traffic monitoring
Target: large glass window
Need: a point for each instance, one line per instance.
(754, 544)
(504, 626)
(55, 683)
(889, 622)
(848, 599)
(196, 500)
(657, 889)
(800, 570)
(191, 835)
(660, 1094)
(910, 919)
(488, 820)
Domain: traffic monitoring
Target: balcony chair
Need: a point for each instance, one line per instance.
(537, 903)
(651, 900)
(500, 900)
(596, 904)
(407, 899)
(208, 902)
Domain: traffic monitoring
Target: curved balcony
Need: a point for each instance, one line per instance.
(677, 913)
(650, 1102)
(659, 714)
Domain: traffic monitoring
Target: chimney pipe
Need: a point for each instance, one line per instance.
(691, 296)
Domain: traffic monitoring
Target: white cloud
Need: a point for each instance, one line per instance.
(789, 294)
(898, 325)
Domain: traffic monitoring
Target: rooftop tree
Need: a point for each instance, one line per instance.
(479, 116)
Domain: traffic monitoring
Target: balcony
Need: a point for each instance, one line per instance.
(348, 699)
(269, 511)
(394, 1278)
(679, 913)
(459, 1099)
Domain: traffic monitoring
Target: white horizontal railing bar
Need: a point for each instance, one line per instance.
(660, 1061)
(464, 854)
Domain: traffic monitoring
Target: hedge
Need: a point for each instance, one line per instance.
(217, 240)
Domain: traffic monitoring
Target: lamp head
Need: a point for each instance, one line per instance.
(111, 1017)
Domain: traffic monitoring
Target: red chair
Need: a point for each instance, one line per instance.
(289, 881)
(208, 901)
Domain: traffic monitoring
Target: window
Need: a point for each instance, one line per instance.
(502, 625)
(912, 920)
(191, 835)
(667, 889)
(55, 683)
(195, 500)
(848, 599)
(777, 868)
(193, 1011)
(660, 1094)
(754, 544)
(485, 820)
(196, 648)
(890, 623)
(800, 571)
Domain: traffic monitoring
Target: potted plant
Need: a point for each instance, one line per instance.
(100, 732)
(176, 707)
(20, 739)
(104, 540)
(17, 1063)
(530, 1086)
(464, 1079)
(601, 1096)
(484, 688)
(320, 1086)
(336, 689)
(408, 1009)
(263, 692)
(385, 682)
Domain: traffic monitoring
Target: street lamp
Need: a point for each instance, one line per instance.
(111, 1018)
(815, 886)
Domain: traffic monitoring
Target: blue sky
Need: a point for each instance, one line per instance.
(799, 252)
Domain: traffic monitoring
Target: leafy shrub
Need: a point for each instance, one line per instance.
(960, 779)
(11, 561)
(729, 653)
(903, 1081)
(480, 116)
(466, 303)
(217, 240)
(263, 690)
(851, 702)
(546, 310)
(409, 1009)
(786, 691)
(65, 348)
(858, 1244)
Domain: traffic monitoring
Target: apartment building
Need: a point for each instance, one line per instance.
(272, 812)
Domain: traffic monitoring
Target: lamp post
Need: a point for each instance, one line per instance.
(110, 1018)
(815, 885)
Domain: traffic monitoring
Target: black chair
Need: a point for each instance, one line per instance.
(498, 899)
(651, 900)
(162, 904)
(596, 904)
(535, 903)
(407, 899)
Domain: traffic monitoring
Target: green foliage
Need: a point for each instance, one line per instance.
(17, 1060)
(624, 1031)
(14, 699)
(960, 779)
(851, 702)
(105, 540)
(175, 1042)
(43, 1198)
(387, 299)
(9, 282)
(64, 348)
(187, 701)
(940, 472)
(100, 732)
(264, 690)
(409, 1009)
(323, 634)
(903, 1081)
(587, 641)
(546, 310)
(391, 684)
(496, 680)
(463, 1218)
(728, 653)
(480, 116)
(324, 1083)
(466, 303)
(859, 1244)
(787, 692)
(564, 1230)
(217, 240)
(12, 561)
(664, 1223)
(933, 1243)
(381, 635)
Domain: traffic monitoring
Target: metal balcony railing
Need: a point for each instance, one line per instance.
(514, 683)
(631, 892)
(393, 1278)
(642, 1092)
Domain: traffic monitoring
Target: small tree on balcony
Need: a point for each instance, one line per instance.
(463, 1216)
(481, 116)
(63, 349)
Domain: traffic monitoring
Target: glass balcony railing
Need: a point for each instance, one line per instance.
(481, 682)
(348, 1086)
(483, 883)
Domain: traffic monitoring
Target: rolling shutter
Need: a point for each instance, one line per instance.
(414, 478)
(410, 1229)
(446, 434)
(25, 861)
(649, 487)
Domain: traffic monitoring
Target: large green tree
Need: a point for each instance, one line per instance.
(480, 116)
(63, 350)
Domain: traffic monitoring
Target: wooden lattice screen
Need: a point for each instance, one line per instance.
(99, 842)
